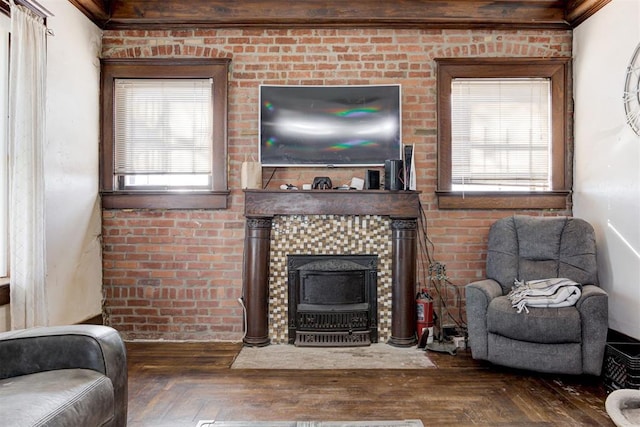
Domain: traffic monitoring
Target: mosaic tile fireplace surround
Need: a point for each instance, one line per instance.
(327, 235)
(329, 222)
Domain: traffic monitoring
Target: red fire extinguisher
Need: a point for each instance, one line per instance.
(424, 310)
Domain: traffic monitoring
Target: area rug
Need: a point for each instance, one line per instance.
(405, 423)
(375, 356)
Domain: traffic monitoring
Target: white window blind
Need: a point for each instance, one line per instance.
(501, 134)
(163, 132)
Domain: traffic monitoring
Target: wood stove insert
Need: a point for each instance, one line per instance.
(332, 300)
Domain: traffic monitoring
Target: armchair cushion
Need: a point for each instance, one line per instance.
(530, 248)
(66, 396)
(542, 325)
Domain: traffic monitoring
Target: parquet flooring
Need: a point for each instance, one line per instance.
(177, 384)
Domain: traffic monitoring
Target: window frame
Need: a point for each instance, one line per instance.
(555, 69)
(218, 70)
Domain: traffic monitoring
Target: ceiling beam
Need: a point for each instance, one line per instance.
(166, 14)
(579, 10)
(154, 14)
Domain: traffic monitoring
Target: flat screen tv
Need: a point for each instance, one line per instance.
(355, 125)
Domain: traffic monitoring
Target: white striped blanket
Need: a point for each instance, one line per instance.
(554, 292)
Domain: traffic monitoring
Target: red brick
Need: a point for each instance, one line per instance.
(178, 274)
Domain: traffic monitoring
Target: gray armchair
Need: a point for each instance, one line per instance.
(63, 376)
(568, 340)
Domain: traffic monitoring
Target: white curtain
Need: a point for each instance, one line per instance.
(26, 148)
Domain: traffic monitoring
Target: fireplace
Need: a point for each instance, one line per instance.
(265, 208)
(332, 300)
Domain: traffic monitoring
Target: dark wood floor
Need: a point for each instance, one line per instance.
(177, 384)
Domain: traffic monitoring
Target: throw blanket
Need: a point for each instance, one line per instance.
(555, 292)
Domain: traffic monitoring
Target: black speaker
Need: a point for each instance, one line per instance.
(372, 180)
(393, 175)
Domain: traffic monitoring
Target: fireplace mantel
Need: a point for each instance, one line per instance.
(396, 204)
(403, 207)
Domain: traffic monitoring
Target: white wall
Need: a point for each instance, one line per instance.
(73, 224)
(5, 28)
(607, 155)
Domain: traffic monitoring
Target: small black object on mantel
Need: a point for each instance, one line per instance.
(321, 183)
(393, 175)
(372, 180)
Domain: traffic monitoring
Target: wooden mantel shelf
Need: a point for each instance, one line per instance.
(268, 203)
(403, 208)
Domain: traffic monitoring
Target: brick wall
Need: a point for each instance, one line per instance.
(178, 274)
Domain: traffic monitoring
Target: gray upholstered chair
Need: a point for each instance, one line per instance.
(567, 340)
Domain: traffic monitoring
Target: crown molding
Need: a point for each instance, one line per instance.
(167, 14)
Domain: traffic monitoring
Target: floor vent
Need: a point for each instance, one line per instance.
(332, 339)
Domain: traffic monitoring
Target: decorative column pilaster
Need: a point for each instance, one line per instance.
(403, 273)
(256, 281)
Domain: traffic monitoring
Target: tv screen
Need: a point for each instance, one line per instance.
(330, 125)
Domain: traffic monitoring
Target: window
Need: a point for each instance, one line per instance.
(502, 127)
(163, 134)
(500, 134)
(164, 127)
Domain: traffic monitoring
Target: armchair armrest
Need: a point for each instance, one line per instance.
(593, 307)
(99, 348)
(489, 287)
(478, 296)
